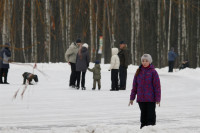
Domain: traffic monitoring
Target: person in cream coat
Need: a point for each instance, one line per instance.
(114, 67)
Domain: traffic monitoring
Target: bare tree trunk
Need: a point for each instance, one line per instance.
(4, 35)
(32, 26)
(109, 23)
(23, 24)
(158, 35)
(179, 29)
(91, 31)
(132, 31)
(169, 25)
(198, 40)
(183, 43)
(104, 31)
(96, 32)
(48, 30)
(113, 23)
(137, 32)
(67, 21)
(62, 24)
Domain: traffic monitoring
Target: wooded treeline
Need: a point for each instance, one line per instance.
(42, 30)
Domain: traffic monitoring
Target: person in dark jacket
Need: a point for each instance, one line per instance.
(29, 77)
(70, 56)
(96, 75)
(124, 62)
(171, 58)
(5, 55)
(82, 63)
(146, 85)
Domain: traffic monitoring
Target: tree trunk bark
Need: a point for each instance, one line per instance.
(179, 29)
(198, 39)
(23, 24)
(62, 25)
(137, 32)
(104, 31)
(158, 36)
(132, 31)
(169, 25)
(48, 30)
(91, 31)
(183, 43)
(66, 22)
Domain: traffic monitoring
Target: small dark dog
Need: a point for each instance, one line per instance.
(29, 77)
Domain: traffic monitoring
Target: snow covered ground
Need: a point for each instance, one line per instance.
(52, 107)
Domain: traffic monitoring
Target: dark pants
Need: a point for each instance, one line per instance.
(78, 76)
(122, 77)
(114, 79)
(97, 81)
(171, 66)
(72, 80)
(3, 73)
(148, 113)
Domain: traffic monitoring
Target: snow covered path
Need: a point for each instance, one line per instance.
(52, 107)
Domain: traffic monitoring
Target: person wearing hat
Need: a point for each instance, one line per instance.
(96, 75)
(146, 85)
(70, 56)
(82, 63)
(124, 62)
(5, 55)
(171, 58)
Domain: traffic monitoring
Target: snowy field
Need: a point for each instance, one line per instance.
(52, 107)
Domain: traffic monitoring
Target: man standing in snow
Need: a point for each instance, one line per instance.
(124, 62)
(70, 57)
(171, 58)
(5, 55)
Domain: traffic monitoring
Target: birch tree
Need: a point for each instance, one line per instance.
(169, 25)
(91, 30)
(66, 22)
(132, 30)
(23, 24)
(137, 31)
(158, 36)
(62, 24)
(48, 30)
(183, 43)
(198, 39)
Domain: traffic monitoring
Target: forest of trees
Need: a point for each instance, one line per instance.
(42, 30)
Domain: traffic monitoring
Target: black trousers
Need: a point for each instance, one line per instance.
(122, 77)
(171, 65)
(3, 73)
(78, 76)
(72, 80)
(148, 113)
(114, 79)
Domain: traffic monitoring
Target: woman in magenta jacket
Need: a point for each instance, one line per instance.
(146, 85)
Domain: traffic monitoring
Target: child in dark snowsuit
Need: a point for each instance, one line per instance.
(29, 77)
(146, 85)
(96, 75)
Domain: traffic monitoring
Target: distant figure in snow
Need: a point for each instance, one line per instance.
(184, 64)
(114, 67)
(171, 58)
(70, 56)
(5, 55)
(146, 85)
(96, 75)
(82, 63)
(29, 77)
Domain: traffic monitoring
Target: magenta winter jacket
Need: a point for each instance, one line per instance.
(146, 85)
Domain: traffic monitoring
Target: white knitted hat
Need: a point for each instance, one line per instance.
(85, 45)
(147, 57)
